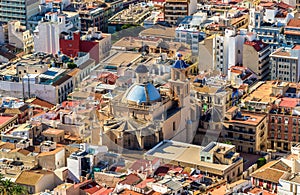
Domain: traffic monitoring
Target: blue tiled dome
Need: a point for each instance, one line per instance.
(143, 93)
(180, 64)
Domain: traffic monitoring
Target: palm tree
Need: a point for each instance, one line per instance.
(19, 190)
(7, 187)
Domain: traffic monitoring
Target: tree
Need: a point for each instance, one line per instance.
(18, 190)
(7, 187)
(71, 65)
(261, 162)
(228, 142)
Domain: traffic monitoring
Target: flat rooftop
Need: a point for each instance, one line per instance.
(248, 118)
(122, 58)
(52, 131)
(262, 93)
(182, 152)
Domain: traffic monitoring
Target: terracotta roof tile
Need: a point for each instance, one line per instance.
(294, 22)
(42, 103)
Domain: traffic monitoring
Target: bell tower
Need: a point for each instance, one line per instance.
(180, 85)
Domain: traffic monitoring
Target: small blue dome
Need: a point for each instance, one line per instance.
(180, 64)
(143, 93)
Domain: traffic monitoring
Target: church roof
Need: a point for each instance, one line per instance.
(141, 69)
(143, 93)
(180, 64)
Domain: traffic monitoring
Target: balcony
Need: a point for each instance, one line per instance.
(239, 139)
(240, 130)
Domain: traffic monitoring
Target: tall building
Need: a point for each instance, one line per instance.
(285, 64)
(178, 9)
(256, 57)
(18, 10)
(228, 50)
(189, 31)
(255, 18)
(284, 122)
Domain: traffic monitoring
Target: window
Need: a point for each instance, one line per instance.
(174, 126)
(279, 144)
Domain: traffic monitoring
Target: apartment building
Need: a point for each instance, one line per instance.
(216, 159)
(292, 32)
(175, 10)
(134, 15)
(256, 57)
(92, 17)
(228, 50)
(285, 64)
(189, 32)
(284, 124)
(20, 10)
(247, 131)
(19, 37)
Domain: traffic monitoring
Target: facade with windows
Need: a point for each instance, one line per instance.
(20, 10)
(246, 130)
(284, 125)
(285, 64)
(175, 9)
(228, 50)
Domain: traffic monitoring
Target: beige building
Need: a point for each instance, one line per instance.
(19, 37)
(143, 115)
(55, 135)
(66, 189)
(53, 159)
(38, 180)
(215, 159)
(256, 58)
(178, 9)
(285, 64)
(247, 131)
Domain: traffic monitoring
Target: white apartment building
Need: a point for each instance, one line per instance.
(285, 64)
(228, 50)
(189, 32)
(19, 37)
(46, 34)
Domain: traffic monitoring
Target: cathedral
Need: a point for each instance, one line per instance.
(145, 114)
